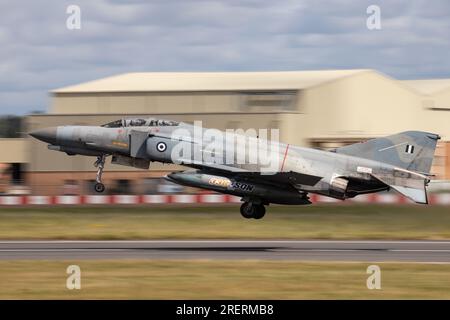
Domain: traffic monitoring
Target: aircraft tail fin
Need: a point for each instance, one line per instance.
(410, 150)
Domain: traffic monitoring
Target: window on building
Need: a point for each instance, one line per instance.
(11, 126)
(122, 186)
(17, 173)
(332, 144)
(165, 186)
(71, 187)
(268, 100)
(150, 185)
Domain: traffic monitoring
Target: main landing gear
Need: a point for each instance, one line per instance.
(100, 164)
(252, 210)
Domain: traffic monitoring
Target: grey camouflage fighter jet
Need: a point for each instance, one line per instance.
(279, 173)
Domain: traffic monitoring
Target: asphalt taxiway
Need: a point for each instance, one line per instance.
(302, 250)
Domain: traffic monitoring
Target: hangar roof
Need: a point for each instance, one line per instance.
(428, 86)
(209, 81)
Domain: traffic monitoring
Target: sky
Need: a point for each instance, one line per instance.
(38, 52)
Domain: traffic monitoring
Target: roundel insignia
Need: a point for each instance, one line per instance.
(161, 146)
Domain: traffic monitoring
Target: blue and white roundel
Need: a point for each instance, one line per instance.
(161, 146)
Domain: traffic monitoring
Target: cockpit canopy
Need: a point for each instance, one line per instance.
(140, 122)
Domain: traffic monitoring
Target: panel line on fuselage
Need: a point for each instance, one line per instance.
(284, 158)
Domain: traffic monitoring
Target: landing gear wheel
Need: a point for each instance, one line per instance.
(250, 210)
(99, 187)
(247, 210)
(260, 211)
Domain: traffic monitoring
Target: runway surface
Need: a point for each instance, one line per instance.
(307, 250)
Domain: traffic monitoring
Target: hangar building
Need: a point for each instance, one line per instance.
(310, 108)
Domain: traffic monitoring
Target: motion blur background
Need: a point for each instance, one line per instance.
(213, 61)
(325, 73)
(323, 109)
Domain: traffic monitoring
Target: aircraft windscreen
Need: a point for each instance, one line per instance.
(159, 123)
(113, 124)
(139, 122)
(149, 123)
(135, 122)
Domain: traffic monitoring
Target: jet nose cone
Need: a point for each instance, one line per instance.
(46, 135)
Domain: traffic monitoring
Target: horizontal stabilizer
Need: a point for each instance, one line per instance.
(416, 195)
(410, 184)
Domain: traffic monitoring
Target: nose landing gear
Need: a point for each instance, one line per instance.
(252, 210)
(100, 163)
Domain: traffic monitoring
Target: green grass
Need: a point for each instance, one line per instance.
(202, 279)
(281, 222)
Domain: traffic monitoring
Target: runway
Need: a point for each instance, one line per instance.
(302, 250)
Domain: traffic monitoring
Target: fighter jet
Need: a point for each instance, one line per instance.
(277, 173)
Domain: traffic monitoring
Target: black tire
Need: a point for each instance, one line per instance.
(99, 187)
(260, 211)
(248, 210)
